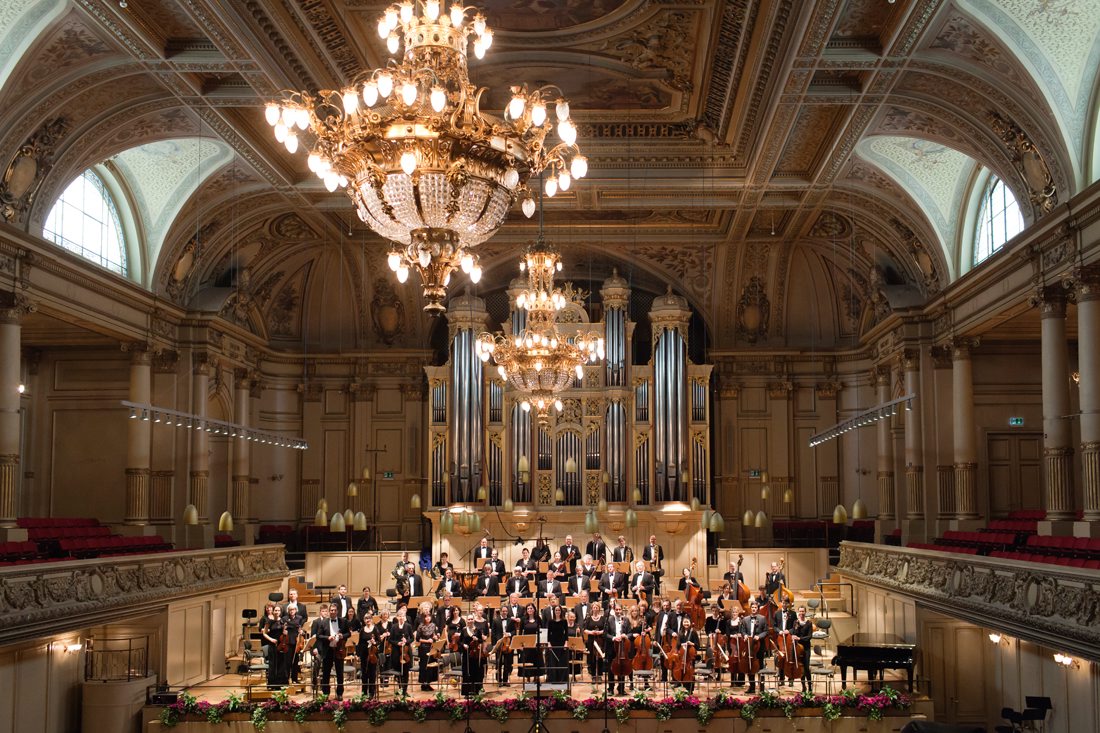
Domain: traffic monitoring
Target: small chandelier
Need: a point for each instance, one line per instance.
(539, 362)
(424, 166)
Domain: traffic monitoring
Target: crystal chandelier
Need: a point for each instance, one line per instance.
(424, 166)
(539, 362)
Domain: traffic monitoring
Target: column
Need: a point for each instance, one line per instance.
(12, 309)
(197, 492)
(1086, 284)
(887, 504)
(914, 465)
(966, 451)
(242, 476)
(1057, 441)
(139, 435)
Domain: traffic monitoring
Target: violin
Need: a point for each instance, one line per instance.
(643, 651)
(406, 653)
(372, 653)
(284, 641)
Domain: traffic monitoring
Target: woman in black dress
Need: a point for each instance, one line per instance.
(288, 665)
(369, 650)
(426, 634)
(557, 656)
(532, 666)
(272, 631)
(401, 636)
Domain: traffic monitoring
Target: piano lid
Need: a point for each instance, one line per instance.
(881, 641)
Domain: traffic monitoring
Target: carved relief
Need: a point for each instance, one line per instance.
(1029, 162)
(753, 311)
(25, 173)
(665, 43)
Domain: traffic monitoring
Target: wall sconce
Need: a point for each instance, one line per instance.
(73, 648)
(276, 477)
(995, 638)
(1066, 661)
(21, 388)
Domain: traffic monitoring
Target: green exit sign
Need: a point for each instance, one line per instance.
(1016, 421)
(754, 473)
(387, 475)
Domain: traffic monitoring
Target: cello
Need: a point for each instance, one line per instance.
(718, 643)
(643, 652)
(684, 669)
(622, 666)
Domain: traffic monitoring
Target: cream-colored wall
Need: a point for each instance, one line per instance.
(41, 686)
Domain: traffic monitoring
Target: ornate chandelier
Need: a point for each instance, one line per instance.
(539, 362)
(423, 164)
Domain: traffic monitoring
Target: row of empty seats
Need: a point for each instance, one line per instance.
(943, 548)
(39, 534)
(113, 545)
(983, 540)
(1070, 562)
(33, 522)
(1085, 547)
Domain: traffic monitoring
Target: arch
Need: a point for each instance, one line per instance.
(85, 220)
(21, 23)
(998, 219)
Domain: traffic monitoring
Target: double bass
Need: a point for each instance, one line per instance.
(694, 595)
(782, 593)
(742, 591)
(622, 666)
(788, 658)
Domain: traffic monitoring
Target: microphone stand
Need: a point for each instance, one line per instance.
(536, 722)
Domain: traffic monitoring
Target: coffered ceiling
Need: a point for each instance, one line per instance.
(822, 150)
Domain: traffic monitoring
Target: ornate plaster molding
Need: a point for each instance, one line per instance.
(37, 600)
(1031, 601)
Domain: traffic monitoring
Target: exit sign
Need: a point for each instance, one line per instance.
(1016, 421)
(754, 473)
(387, 475)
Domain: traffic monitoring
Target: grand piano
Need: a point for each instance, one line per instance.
(874, 653)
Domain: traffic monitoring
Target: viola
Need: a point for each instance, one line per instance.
(643, 651)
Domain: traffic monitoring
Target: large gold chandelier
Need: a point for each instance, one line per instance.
(423, 164)
(539, 362)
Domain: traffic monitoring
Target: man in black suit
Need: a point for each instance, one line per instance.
(654, 554)
(804, 632)
(579, 582)
(755, 626)
(481, 553)
(783, 621)
(597, 548)
(613, 583)
(641, 582)
(733, 576)
(343, 603)
(622, 551)
(487, 584)
(666, 623)
(503, 627)
(513, 610)
(414, 587)
(292, 600)
(448, 585)
(550, 586)
(331, 632)
(581, 608)
(547, 614)
(570, 553)
(517, 584)
(774, 579)
(499, 569)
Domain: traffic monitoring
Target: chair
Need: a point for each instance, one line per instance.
(275, 597)
(812, 604)
(254, 660)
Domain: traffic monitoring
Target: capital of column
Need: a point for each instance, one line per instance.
(311, 392)
(412, 392)
(962, 346)
(780, 390)
(141, 352)
(13, 306)
(166, 361)
(1050, 300)
(910, 360)
(941, 357)
(243, 378)
(201, 363)
(827, 390)
(881, 375)
(1084, 283)
(361, 391)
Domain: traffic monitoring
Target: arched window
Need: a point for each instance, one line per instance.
(85, 221)
(999, 219)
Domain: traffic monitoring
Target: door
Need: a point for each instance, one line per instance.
(950, 652)
(1015, 471)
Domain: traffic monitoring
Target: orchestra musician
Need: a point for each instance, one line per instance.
(481, 553)
(594, 630)
(569, 554)
(292, 600)
(688, 579)
(774, 579)
(368, 648)
(442, 565)
(613, 584)
(265, 647)
(638, 626)
(295, 627)
(367, 605)
(551, 586)
(648, 614)
(596, 548)
(755, 626)
(733, 624)
(548, 612)
(689, 638)
(320, 623)
(581, 608)
(504, 627)
(559, 566)
(401, 635)
(331, 636)
(654, 554)
(726, 597)
(499, 569)
(541, 553)
(528, 566)
(622, 551)
(556, 633)
(271, 633)
(803, 631)
(487, 584)
(587, 567)
(426, 635)
(733, 576)
(448, 585)
(761, 597)
(384, 625)
(518, 583)
(618, 629)
(579, 582)
(471, 645)
(642, 582)
(410, 585)
(532, 656)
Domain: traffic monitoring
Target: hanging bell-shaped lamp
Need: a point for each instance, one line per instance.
(631, 518)
(336, 524)
(322, 504)
(446, 523)
(788, 496)
(765, 492)
(695, 503)
(349, 518)
(320, 519)
(225, 522)
(509, 506)
(359, 522)
(840, 515)
(414, 501)
(717, 523)
(605, 478)
(523, 466)
(474, 522)
(190, 515)
(591, 521)
(763, 477)
(859, 509)
(559, 495)
(704, 521)
(601, 505)
(570, 465)
(462, 519)
(637, 495)
(748, 518)
(761, 520)
(366, 473)
(482, 493)
(353, 488)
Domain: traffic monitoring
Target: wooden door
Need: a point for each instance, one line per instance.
(950, 653)
(1015, 472)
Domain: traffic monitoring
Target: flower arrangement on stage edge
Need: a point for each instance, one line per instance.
(378, 711)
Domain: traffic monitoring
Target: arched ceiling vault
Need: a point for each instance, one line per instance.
(736, 149)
